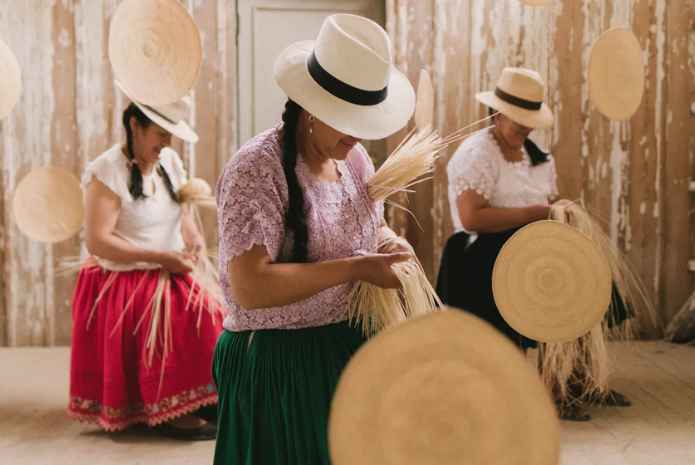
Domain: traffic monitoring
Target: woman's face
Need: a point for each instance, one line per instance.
(330, 142)
(148, 141)
(514, 134)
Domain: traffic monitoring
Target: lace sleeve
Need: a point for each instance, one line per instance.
(472, 168)
(251, 205)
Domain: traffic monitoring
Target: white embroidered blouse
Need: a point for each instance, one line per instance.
(150, 223)
(479, 164)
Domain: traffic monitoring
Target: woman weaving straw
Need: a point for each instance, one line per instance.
(297, 228)
(499, 181)
(144, 329)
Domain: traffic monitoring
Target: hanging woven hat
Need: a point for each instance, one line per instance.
(48, 205)
(10, 80)
(170, 117)
(347, 79)
(616, 74)
(424, 102)
(442, 389)
(551, 283)
(155, 50)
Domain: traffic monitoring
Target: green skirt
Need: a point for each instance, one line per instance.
(275, 389)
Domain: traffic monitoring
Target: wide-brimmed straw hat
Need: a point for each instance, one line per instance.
(519, 95)
(442, 389)
(551, 283)
(155, 50)
(346, 78)
(616, 74)
(48, 205)
(10, 80)
(170, 117)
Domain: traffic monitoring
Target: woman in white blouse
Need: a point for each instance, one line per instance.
(499, 181)
(143, 329)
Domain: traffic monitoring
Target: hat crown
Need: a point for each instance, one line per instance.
(354, 50)
(522, 83)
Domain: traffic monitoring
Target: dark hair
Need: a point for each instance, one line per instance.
(537, 155)
(295, 218)
(135, 182)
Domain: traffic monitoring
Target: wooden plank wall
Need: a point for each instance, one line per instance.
(68, 114)
(633, 175)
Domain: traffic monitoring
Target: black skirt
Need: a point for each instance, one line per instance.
(465, 282)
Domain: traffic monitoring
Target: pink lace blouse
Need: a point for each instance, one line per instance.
(252, 200)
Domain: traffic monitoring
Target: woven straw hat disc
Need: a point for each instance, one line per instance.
(155, 50)
(10, 80)
(551, 283)
(48, 205)
(444, 388)
(616, 74)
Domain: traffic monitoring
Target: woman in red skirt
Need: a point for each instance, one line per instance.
(144, 329)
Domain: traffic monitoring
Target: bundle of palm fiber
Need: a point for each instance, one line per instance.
(376, 308)
(628, 285)
(577, 371)
(196, 194)
(681, 328)
(412, 162)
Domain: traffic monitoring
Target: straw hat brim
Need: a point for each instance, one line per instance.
(155, 50)
(551, 283)
(539, 119)
(181, 129)
(616, 74)
(11, 86)
(437, 389)
(48, 205)
(364, 122)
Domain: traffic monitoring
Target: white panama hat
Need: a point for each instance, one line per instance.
(519, 95)
(346, 78)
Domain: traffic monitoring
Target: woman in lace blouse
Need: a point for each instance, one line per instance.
(499, 181)
(297, 229)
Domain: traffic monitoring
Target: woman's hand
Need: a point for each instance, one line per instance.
(396, 244)
(538, 212)
(196, 248)
(377, 269)
(177, 262)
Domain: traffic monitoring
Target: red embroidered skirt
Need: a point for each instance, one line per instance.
(136, 362)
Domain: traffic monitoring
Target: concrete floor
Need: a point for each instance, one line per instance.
(658, 430)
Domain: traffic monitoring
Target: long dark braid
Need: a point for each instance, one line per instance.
(135, 183)
(296, 220)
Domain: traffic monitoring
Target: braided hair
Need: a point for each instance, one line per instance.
(295, 218)
(135, 183)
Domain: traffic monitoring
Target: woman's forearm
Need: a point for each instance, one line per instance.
(189, 230)
(493, 220)
(277, 284)
(117, 249)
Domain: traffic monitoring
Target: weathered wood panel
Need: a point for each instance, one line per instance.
(69, 113)
(632, 175)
